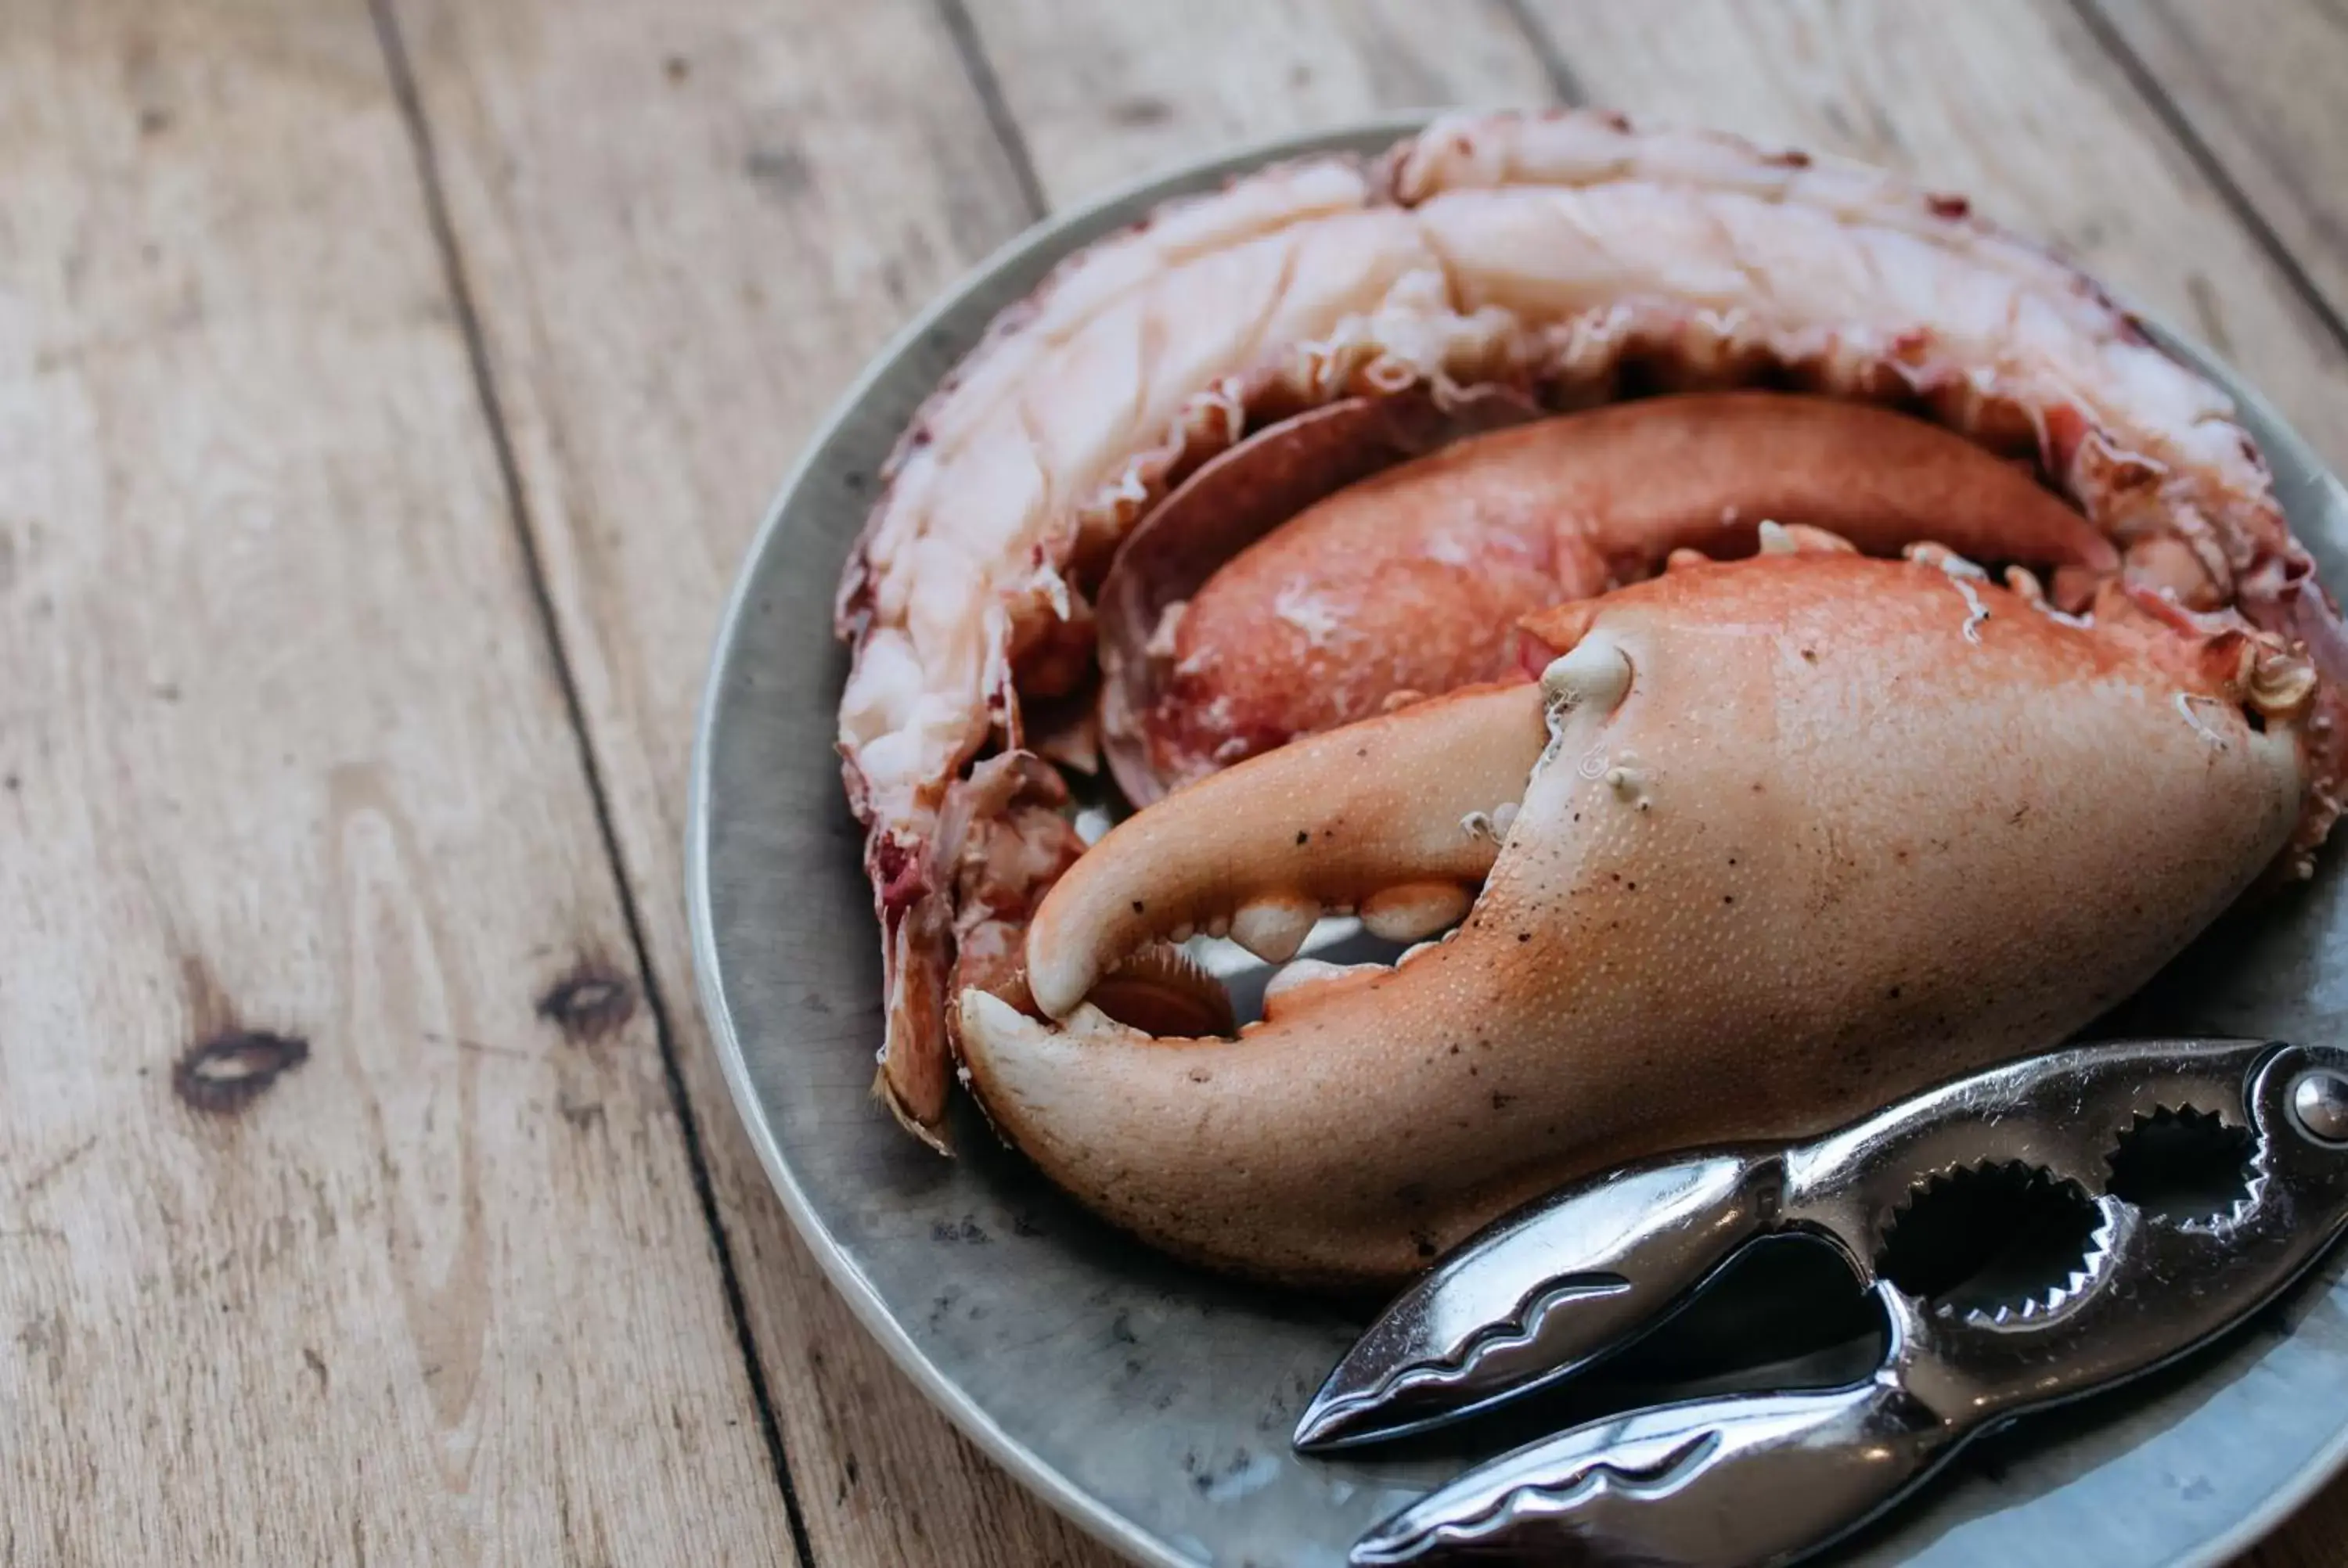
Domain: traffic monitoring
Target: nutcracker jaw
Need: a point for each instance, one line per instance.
(2087, 1135)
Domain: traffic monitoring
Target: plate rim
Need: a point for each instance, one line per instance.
(1097, 1518)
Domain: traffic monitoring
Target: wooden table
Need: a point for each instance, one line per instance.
(387, 393)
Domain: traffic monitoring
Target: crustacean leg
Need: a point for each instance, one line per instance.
(1792, 837)
(1411, 581)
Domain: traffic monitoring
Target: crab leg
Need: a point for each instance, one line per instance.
(1796, 835)
(1412, 581)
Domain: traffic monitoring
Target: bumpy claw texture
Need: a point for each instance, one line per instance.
(1793, 836)
(1487, 270)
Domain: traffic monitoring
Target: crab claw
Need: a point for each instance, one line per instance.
(1393, 820)
(1795, 836)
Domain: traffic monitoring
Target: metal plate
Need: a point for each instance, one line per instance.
(1153, 1403)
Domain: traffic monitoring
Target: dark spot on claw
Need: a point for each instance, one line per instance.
(1945, 206)
(1137, 906)
(224, 1074)
(588, 1003)
(1502, 1101)
(1303, 836)
(1425, 1244)
(1524, 935)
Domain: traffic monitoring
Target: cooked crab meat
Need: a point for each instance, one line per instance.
(1795, 836)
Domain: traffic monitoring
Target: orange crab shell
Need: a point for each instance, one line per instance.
(1770, 843)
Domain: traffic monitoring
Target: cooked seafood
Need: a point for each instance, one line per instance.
(1412, 581)
(1779, 840)
(1183, 390)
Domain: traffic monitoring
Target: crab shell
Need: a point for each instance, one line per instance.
(1543, 260)
(1786, 838)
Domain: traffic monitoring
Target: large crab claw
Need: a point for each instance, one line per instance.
(1793, 836)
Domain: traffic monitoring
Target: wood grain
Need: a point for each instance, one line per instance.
(685, 226)
(2259, 84)
(1103, 94)
(318, 1242)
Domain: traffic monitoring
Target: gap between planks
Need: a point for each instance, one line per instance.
(2182, 130)
(444, 239)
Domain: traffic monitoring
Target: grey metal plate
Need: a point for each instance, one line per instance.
(1153, 1403)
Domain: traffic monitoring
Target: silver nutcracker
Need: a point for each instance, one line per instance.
(1766, 1479)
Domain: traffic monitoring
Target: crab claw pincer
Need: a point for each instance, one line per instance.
(1779, 840)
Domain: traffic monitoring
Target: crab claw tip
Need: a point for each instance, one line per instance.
(1369, 817)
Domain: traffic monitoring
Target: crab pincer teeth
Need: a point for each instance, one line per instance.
(1415, 911)
(1294, 988)
(1273, 928)
(1392, 816)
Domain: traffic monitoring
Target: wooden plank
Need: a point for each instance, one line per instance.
(2257, 83)
(344, 1213)
(1103, 94)
(687, 223)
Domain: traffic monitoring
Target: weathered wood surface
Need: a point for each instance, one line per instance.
(2256, 87)
(680, 226)
(684, 228)
(344, 1211)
